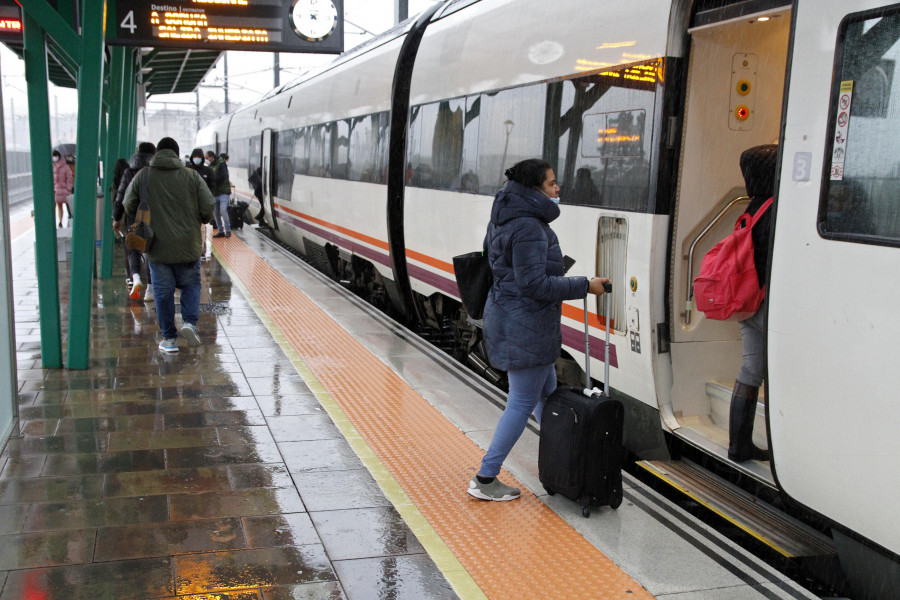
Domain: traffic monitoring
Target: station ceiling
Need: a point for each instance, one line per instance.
(165, 70)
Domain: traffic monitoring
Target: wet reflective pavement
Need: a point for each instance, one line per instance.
(212, 473)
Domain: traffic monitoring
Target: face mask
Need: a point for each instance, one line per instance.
(197, 160)
(55, 159)
(553, 200)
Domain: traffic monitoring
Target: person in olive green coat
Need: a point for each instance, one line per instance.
(179, 201)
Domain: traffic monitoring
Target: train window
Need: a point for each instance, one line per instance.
(600, 137)
(340, 148)
(511, 128)
(284, 164)
(435, 146)
(319, 151)
(301, 151)
(368, 146)
(861, 196)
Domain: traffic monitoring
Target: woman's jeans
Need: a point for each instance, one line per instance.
(167, 277)
(223, 224)
(528, 388)
(753, 366)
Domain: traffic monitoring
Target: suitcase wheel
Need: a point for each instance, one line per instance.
(586, 511)
(615, 499)
(549, 491)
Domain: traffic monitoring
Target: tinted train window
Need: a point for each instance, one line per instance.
(368, 148)
(861, 199)
(284, 164)
(435, 145)
(511, 128)
(601, 135)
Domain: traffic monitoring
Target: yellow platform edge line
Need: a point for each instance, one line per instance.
(711, 507)
(460, 579)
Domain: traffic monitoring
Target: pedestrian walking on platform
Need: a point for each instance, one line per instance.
(63, 184)
(179, 201)
(524, 308)
(139, 289)
(195, 162)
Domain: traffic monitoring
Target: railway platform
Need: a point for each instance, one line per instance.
(310, 448)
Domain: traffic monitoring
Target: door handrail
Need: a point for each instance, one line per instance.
(690, 266)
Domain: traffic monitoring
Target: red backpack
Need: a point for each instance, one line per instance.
(727, 286)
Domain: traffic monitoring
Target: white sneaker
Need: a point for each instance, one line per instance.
(170, 345)
(148, 296)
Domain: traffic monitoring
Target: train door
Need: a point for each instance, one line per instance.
(833, 319)
(733, 101)
(268, 165)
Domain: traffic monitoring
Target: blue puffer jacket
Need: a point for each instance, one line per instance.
(524, 307)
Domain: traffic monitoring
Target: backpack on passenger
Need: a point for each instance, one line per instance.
(727, 287)
(580, 452)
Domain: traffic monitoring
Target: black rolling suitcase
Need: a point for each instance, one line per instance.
(236, 212)
(580, 454)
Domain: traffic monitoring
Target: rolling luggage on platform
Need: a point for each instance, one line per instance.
(236, 212)
(580, 453)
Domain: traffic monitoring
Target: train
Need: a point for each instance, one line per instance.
(380, 167)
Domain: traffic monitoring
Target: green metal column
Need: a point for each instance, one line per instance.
(112, 153)
(36, 77)
(130, 105)
(90, 94)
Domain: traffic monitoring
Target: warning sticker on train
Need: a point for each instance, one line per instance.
(841, 125)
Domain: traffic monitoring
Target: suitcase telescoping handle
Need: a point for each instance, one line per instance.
(588, 390)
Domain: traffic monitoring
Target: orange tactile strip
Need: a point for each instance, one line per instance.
(514, 550)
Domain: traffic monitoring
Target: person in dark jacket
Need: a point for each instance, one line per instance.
(758, 166)
(524, 308)
(195, 162)
(221, 191)
(141, 159)
(179, 201)
(255, 182)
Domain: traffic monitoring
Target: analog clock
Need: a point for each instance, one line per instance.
(313, 20)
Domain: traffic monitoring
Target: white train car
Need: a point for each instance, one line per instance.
(382, 166)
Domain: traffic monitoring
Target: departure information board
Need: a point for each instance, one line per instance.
(10, 21)
(315, 26)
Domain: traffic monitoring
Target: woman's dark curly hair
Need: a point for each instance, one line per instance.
(530, 172)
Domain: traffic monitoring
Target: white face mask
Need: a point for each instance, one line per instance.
(197, 160)
(55, 159)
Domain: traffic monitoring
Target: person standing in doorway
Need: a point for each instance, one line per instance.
(221, 191)
(179, 201)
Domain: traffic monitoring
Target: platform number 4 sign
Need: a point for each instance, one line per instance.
(128, 22)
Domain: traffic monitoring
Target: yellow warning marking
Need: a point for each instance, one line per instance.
(443, 558)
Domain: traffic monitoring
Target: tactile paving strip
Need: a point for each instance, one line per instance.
(517, 550)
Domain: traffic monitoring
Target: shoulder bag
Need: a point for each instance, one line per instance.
(474, 280)
(140, 234)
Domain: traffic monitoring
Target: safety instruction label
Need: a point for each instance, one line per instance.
(841, 126)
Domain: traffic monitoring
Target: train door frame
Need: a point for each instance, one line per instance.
(723, 56)
(267, 153)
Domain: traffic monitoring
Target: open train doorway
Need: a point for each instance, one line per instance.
(268, 164)
(733, 101)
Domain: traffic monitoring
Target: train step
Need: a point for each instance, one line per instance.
(775, 529)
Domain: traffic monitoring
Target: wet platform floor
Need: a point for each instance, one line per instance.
(212, 473)
(310, 448)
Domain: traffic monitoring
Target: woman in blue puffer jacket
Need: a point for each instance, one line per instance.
(524, 308)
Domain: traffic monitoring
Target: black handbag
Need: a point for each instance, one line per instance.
(474, 280)
(140, 234)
